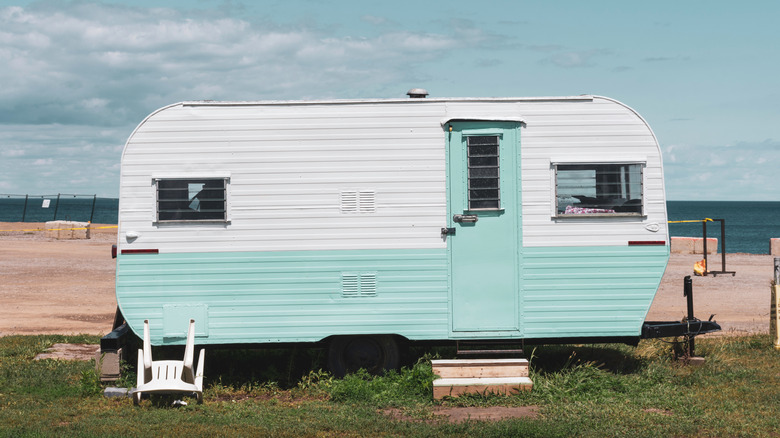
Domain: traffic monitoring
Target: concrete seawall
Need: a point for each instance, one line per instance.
(694, 245)
(774, 247)
(67, 230)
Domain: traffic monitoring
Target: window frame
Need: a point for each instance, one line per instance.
(617, 214)
(468, 175)
(225, 219)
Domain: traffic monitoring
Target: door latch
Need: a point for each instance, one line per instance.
(447, 232)
(467, 218)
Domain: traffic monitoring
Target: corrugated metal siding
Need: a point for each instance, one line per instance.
(584, 292)
(602, 130)
(289, 296)
(290, 164)
(288, 167)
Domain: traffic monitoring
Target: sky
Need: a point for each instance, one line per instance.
(76, 77)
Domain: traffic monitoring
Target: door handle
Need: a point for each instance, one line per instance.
(465, 218)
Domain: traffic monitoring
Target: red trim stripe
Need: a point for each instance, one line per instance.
(140, 251)
(646, 242)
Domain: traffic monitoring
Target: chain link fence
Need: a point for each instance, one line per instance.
(62, 206)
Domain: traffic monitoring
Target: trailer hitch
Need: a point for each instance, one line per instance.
(688, 328)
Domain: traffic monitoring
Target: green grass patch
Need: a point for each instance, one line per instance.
(580, 390)
(409, 387)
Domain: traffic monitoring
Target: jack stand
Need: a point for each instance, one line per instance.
(688, 356)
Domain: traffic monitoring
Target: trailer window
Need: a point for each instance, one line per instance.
(598, 189)
(201, 199)
(483, 178)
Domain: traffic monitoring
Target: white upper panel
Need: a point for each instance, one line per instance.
(295, 169)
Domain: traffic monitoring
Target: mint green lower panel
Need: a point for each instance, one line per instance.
(589, 292)
(305, 296)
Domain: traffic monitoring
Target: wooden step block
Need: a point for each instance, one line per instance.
(480, 368)
(486, 385)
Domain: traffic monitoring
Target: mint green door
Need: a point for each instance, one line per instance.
(484, 217)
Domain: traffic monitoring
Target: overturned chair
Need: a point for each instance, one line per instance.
(169, 376)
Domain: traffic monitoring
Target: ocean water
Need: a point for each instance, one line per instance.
(14, 208)
(749, 225)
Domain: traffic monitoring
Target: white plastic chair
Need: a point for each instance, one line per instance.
(169, 376)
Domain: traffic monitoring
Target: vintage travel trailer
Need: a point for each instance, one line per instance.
(367, 223)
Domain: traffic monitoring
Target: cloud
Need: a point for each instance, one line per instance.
(545, 48)
(488, 62)
(698, 171)
(666, 58)
(93, 63)
(575, 59)
(79, 76)
(377, 21)
(39, 159)
(658, 59)
(12, 153)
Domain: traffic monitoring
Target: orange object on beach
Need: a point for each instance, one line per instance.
(700, 267)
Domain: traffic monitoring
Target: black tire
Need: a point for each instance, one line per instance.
(376, 354)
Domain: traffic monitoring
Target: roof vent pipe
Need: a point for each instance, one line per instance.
(417, 93)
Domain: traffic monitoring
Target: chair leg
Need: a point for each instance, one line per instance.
(147, 358)
(189, 353)
(140, 377)
(199, 375)
(201, 362)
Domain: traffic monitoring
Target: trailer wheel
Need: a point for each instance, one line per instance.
(375, 354)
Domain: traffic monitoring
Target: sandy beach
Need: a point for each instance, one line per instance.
(55, 286)
(67, 286)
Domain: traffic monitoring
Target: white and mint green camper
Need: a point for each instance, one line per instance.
(364, 223)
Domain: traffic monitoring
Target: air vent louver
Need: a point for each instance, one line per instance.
(355, 285)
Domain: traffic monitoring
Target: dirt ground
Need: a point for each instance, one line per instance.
(55, 286)
(740, 303)
(67, 286)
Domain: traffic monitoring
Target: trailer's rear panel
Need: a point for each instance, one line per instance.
(589, 275)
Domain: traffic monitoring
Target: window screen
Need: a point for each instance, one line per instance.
(483, 178)
(201, 199)
(598, 189)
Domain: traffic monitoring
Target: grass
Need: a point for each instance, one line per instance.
(588, 390)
